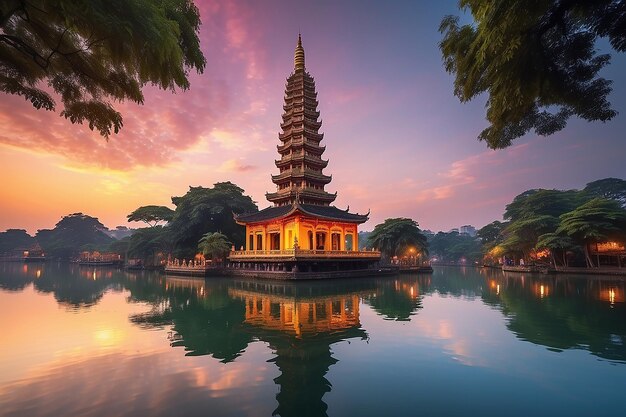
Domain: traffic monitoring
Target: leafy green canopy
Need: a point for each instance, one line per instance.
(151, 215)
(610, 188)
(397, 236)
(595, 221)
(452, 247)
(93, 52)
(535, 60)
(534, 213)
(204, 210)
(72, 234)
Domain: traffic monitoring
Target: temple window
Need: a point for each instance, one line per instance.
(349, 242)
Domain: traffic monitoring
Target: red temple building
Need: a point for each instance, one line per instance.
(302, 232)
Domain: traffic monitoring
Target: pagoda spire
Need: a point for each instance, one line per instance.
(299, 55)
(300, 179)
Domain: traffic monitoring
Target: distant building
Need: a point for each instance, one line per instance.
(467, 230)
(455, 230)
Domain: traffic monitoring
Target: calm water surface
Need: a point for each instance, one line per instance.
(100, 342)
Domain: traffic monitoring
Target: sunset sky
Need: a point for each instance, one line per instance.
(398, 141)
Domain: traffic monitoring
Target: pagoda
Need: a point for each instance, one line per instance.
(302, 232)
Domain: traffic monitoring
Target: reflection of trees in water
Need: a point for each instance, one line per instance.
(204, 320)
(397, 298)
(15, 276)
(562, 312)
(78, 287)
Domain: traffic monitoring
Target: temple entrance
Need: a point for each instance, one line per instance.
(259, 242)
(335, 241)
(274, 241)
(310, 235)
(251, 242)
(320, 239)
(349, 242)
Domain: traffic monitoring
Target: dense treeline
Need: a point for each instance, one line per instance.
(561, 223)
(196, 219)
(557, 224)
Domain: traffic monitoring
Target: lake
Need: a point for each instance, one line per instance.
(80, 341)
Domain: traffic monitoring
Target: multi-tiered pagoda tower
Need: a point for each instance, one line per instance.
(301, 162)
(302, 233)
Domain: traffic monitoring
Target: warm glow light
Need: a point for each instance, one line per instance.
(39, 273)
(94, 275)
(498, 289)
(612, 296)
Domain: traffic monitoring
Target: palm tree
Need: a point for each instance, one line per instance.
(214, 245)
(397, 236)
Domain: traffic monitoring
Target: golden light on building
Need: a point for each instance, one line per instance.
(38, 273)
(299, 316)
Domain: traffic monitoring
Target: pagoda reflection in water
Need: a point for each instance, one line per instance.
(300, 329)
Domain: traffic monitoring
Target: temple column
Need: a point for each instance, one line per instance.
(355, 239)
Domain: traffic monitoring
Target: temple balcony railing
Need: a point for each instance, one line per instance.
(294, 254)
(300, 173)
(299, 157)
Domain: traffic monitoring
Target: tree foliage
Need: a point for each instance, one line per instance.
(214, 245)
(204, 210)
(454, 247)
(609, 188)
(536, 62)
(13, 239)
(151, 215)
(73, 233)
(396, 236)
(146, 243)
(595, 221)
(91, 53)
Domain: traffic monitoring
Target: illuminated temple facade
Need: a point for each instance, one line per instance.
(302, 231)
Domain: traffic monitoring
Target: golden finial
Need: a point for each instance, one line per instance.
(299, 58)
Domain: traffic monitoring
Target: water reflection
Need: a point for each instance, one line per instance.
(304, 323)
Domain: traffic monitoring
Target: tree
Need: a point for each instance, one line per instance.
(14, 239)
(396, 236)
(536, 62)
(72, 234)
(94, 52)
(555, 242)
(148, 242)
(151, 215)
(214, 245)
(491, 233)
(454, 247)
(595, 221)
(610, 188)
(204, 210)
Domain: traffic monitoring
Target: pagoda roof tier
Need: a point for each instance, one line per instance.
(309, 174)
(308, 113)
(310, 124)
(301, 143)
(299, 101)
(287, 134)
(315, 211)
(301, 157)
(306, 194)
